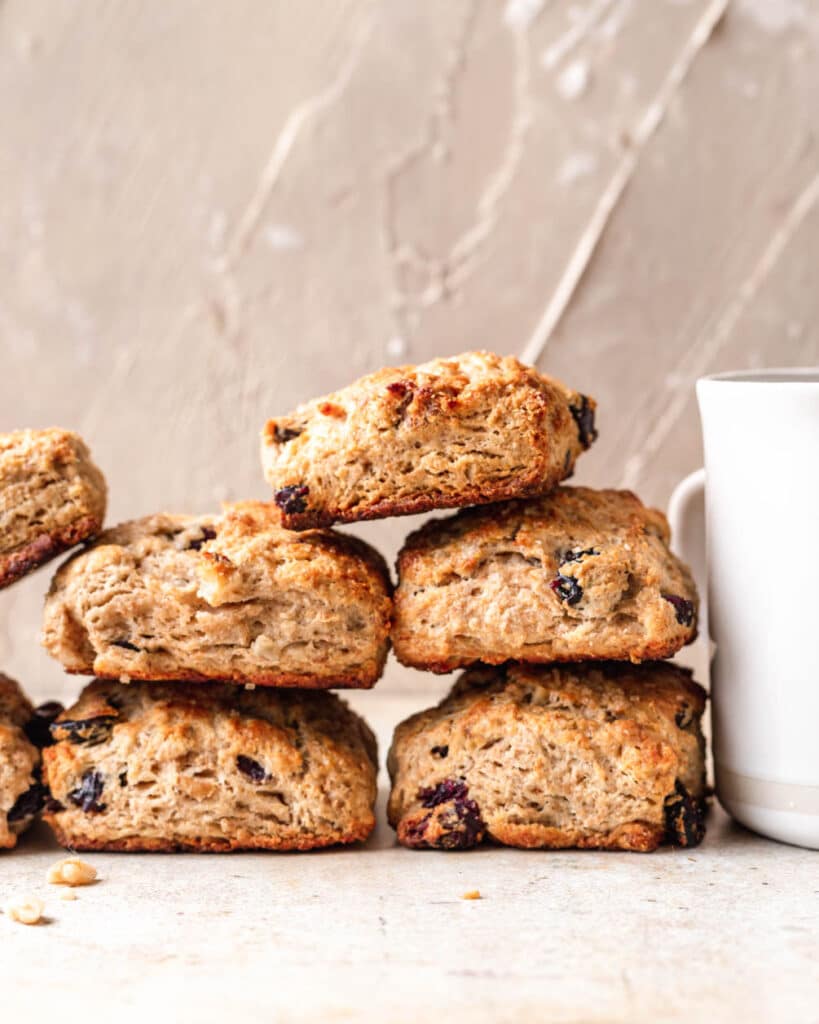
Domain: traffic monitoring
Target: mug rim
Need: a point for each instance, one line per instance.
(777, 376)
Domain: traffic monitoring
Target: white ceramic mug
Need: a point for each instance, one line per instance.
(760, 526)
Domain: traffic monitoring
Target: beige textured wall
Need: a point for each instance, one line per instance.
(212, 210)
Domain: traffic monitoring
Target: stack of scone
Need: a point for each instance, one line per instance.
(215, 638)
(565, 730)
(210, 637)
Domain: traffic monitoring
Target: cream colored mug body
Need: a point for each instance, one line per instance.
(758, 535)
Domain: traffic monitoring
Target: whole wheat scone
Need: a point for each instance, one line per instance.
(210, 767)
(232, 597)
(604, 755)
(52, 496)
(21, 794)
(575, 575)
(462, 431)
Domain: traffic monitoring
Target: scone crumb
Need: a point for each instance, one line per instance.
(24, 909)
(71, 871)
(125, 679)
(68, 895)
(250, 686)
(473, 894)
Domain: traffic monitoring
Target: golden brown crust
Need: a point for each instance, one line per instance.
(45, 547)
(209, 767)
(578, 574)
(52, 497)
(281, 680)
(637, 837)
(606, 756)
(357, 833)
(232, 598)
(522, 485)
(471, 429)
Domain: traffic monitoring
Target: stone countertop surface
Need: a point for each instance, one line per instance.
(726, 932)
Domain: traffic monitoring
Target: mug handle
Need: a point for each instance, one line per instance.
(686, 516)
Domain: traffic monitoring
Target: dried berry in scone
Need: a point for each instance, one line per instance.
(448, 819)
(467, 430)
(684, 817)
(21, 794)
(208, 766)
(575, 575)
(38, 727)
(600, 755)
(88, 792)
(232, 597)
(52, 497)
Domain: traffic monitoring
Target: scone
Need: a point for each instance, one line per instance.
(208, 766)
(21, 795)
(451, 432)
(575, 575)
(232, 597)
(609, 756)
(52, 496)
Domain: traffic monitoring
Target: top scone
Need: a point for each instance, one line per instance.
(52, 496)
(574, 575)
(468, 430)
(231, 597)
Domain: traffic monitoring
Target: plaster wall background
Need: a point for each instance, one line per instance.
(210, 212)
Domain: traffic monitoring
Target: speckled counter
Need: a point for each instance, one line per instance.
(724, 933)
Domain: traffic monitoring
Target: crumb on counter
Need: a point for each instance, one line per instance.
(24, 909)
(473, 894)
(71, 871)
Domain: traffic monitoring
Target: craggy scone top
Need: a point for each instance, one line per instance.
(576, 574)
(52, 496)
(466, 430)
(222, 597)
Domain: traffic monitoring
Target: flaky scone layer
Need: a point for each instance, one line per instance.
(599, 755)
(210, 767)
(575, 575)
(462, 431)
(52, 496)
(19, 764)
(231, 597)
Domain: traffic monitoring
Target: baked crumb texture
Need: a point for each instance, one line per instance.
(607, 756)
(21, 794)
(232, 597)
(52, 497)
(467, 430)
(578, 574)
(209, 767)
